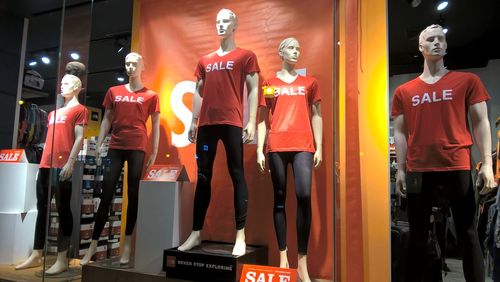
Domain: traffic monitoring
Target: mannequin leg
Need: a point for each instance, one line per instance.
(302, 269)
(60, 265)
(284, 259)
(34, 260)
(90, 252)
(125, 257)
(240, 246)
(206, 149)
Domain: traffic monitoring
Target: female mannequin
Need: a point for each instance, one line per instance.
(62, 144)
(294, 102)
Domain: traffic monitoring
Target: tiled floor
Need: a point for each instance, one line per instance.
(456, 274)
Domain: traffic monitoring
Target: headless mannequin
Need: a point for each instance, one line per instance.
(289, 55)
(226, 27)
(69, 91)
(134, 66)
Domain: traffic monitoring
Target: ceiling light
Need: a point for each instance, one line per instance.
(442, 5)
(445, 30)
(75, 56)
(120, 78)
(414, 3)
(46, 60)
(32, 63)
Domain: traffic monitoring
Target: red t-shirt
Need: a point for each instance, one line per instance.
(436, 120)
(131, 112)
(223, 83)
(61, 135)
(290, 118)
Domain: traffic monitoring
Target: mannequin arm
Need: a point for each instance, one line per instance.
(261, 138)
(155, 120)
(197, 101)
(482, 135)
(105, 126)
(252, 82)
(67, 170)
(317, 127)
(401, 150)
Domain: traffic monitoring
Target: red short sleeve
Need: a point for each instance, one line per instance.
(397, 103)
(81, 118)
(315, 94)
(200, 70)
(262, 98)
(251, 65)
(477, 92)
(155, 105)
(108, 102)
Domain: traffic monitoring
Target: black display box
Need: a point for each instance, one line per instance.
(211, 261)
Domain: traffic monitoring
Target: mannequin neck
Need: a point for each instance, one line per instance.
(227, 44)
(134, 83)
(287, 72)
(433, 70)
(70, 101)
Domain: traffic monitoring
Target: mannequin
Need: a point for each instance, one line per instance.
(62, 145)
(290, 141)
(223, 73)
(128, 107)
(433, 150)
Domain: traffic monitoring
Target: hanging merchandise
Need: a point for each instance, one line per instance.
(32, 131)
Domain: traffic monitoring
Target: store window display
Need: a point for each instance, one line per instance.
(295, 137)
(433, 151)
(128, 107)
(218, 115)
(62, 145)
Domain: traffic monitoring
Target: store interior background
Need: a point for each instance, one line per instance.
(473, 38)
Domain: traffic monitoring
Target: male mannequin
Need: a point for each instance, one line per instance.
(433, 150)
(62, 145)
(128, 108)
(219, 93)
(296, 121)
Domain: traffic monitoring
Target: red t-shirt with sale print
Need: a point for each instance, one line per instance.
(131, 112)
(436, 120)
(223, 83)
(61, 135)
(290, 118)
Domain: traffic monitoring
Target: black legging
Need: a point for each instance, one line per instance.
(457, 188)
(135, 160)
(62, 192)
(206, 148)
(302, 163)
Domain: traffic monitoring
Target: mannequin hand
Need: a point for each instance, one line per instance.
(249, 132)
(151, 160)
(98, 154)
(261, 161)
(193, 130)
(66, 171)
(401, 182)
(487, 178)
(318, 158)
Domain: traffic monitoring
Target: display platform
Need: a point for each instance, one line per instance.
(164, 217)
(211, 261)
(16, 236)
(109, 270)
(17, 187)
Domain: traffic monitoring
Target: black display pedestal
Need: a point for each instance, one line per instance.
(211, 261)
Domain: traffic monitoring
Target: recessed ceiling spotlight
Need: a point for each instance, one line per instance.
(442, 5)
(46, 60)
(120, 78)
(445, 30)
(32, 63)
(75, 56)
(414, 3)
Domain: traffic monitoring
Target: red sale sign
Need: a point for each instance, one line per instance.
(166, 173)
(13, 156)
(261, 273)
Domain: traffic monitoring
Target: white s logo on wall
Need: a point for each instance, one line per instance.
(181, 111)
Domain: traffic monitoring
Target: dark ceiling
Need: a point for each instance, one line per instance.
(473, 37)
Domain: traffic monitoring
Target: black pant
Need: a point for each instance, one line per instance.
(135, 160)
(62, 192)
(206, 149)
(457, 189)
(302, 163)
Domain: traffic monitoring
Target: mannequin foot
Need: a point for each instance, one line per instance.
(192, 241)
(240, 246)
(125, 257)
(302, 269)
(90, 252)
(34, 260)
(284, 259)
(60, 266)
